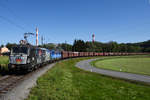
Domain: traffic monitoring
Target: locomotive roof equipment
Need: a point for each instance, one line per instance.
(26, 36)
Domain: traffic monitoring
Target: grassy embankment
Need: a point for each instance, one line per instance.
(3, 64)
(132, 64)
(66, 82)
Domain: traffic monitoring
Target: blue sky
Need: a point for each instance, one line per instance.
(65, 20)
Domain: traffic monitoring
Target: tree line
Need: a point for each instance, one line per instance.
(88, 46)
(112, 46)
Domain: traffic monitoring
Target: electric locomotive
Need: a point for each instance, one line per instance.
(27, 57)
(22, 57)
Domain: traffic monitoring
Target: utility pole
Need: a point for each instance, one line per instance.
(93, 38)
(37, 36)
(42, 39)
(66, 45)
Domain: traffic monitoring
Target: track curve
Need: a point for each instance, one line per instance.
(85, 65)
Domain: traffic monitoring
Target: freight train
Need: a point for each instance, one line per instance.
(28, 57)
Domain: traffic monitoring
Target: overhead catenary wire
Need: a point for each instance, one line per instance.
(15, 16)
(13, 23)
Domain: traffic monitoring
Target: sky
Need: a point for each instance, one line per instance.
(58, 21)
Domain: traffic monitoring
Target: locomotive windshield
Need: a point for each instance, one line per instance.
(20, 50)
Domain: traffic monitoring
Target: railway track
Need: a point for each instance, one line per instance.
(8, 82)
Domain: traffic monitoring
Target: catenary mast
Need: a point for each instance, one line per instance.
(37, 36)
(93, 38)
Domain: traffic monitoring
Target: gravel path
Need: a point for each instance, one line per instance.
(129, 76)
(22, 90)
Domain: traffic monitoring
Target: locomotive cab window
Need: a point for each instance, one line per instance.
(23, 50)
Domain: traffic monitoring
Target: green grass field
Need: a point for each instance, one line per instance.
(3, 59)
(132, 64)
(66, 82)
(4, 64)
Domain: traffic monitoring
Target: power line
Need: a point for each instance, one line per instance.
(13, 13)
(11, 22)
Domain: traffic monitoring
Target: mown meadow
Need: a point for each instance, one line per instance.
(133, 64)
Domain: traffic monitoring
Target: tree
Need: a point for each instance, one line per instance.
(2, 46)
(10, 45)
(93, 46)
(79, 45)
(113, 46)
(66, 47)
(90, 47)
